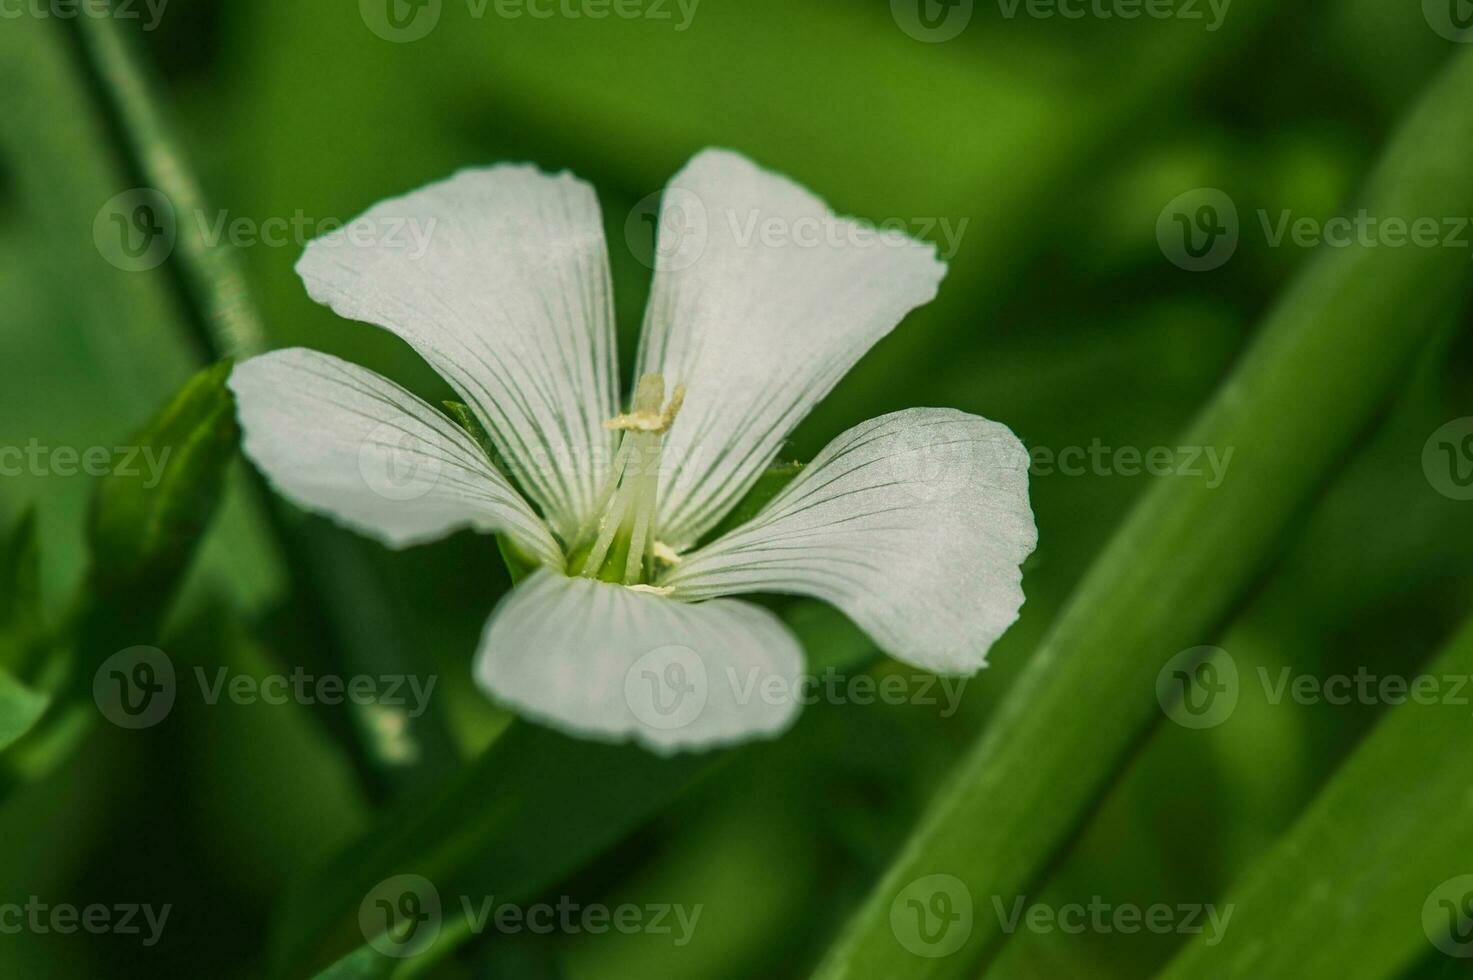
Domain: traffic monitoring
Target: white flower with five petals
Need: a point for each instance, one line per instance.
(914, 524)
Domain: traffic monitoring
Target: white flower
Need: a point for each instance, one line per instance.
(913, 524)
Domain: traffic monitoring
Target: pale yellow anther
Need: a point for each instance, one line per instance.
(664, 553)
(647, 415)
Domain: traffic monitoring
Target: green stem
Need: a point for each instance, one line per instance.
(1325, 362)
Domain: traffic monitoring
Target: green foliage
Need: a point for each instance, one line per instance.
(150, 511)
(1322, 551)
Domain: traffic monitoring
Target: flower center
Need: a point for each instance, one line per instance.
(623, 546)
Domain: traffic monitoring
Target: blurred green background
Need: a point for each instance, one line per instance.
(1052, 145)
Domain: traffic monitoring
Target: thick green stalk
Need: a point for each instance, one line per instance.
(1325, 362)
(1368, 880)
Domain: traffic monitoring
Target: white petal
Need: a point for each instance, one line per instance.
(762, 301)
(499, 278)
(914, 524)
(339, 440)
(608, 662)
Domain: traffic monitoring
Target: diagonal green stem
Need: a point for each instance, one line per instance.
(1324, 363)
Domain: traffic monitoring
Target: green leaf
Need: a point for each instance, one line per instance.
(20, 709)
(1323, 366)
(1339, 894)
(150, 511)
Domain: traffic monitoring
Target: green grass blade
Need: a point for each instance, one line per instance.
(1327, 359)
(1356, 888)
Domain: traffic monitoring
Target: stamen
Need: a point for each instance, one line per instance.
(647, 416)
(624, 548)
